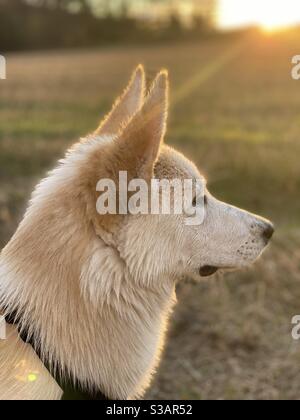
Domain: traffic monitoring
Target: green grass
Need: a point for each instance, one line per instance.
(235, 112)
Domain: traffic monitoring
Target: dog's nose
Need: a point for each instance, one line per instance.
(268, 231)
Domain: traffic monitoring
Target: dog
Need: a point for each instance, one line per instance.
(95, 292)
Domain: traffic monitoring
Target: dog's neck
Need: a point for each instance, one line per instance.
(74, 293)
(89, 317)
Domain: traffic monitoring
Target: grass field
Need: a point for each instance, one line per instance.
(236, 113)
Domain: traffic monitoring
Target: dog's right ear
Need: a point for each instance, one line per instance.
(126, 105)
(137, 147)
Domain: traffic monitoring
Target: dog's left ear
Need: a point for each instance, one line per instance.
(125, 106)
(139, 144)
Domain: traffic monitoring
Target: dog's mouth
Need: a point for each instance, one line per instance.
(208, 270)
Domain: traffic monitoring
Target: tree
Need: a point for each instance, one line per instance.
(68, 5)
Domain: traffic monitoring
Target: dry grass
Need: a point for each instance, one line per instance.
(236, 113)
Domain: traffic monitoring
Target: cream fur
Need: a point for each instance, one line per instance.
(98, 291)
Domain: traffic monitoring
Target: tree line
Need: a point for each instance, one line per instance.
(46, 24)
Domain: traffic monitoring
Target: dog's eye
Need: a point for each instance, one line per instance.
(204, 200)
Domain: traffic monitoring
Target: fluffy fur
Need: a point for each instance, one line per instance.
(97, 291)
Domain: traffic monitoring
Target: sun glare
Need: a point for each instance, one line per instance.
(270, 15)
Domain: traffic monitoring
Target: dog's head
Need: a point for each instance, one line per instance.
(158, 244)
(149, 246)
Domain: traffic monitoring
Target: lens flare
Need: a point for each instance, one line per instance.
(270, 15)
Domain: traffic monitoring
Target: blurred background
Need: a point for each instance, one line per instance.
(235, 110)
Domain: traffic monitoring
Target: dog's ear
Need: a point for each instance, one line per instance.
(139, 144)
(126, 105)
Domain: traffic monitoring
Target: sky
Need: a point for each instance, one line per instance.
(269, 14)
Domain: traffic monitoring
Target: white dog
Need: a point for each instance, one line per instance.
(94, 292)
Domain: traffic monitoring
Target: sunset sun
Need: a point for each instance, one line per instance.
(268, 14)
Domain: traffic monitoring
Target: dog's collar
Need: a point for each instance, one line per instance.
(71, 390)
